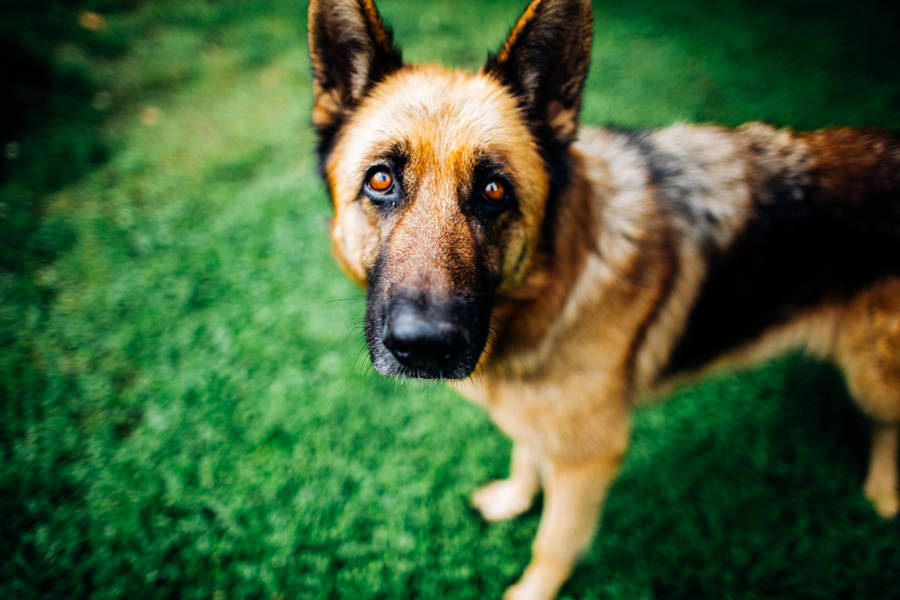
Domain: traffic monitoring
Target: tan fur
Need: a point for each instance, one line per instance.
(868, 349)
(585, 321)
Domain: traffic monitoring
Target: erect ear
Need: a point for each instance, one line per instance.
(544, 61)
(350, 50)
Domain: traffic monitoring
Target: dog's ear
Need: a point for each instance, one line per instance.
(544, 61)
(350, 50)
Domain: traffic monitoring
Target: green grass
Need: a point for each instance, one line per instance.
(187, 406)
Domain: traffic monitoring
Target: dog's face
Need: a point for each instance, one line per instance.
(439, 179)
(438, 190)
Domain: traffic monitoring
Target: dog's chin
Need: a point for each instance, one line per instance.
(387, 364)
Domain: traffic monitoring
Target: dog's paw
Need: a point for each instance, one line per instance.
(886, 502)
(502, 499)
(516, 592)
(524, 591)
(539, 582)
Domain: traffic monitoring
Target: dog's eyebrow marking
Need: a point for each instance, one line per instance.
(397, 155)
(493, 164)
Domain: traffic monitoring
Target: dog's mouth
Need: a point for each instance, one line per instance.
(412, 336)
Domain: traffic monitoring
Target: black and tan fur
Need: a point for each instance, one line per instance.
(617, 263)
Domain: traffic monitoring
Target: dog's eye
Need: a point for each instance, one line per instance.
(382, 187)
(380, 180)
(494, 191)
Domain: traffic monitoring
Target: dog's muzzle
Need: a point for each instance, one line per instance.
(424, 338)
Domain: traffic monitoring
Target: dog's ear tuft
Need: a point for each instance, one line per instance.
(350, 50)
(544, 61)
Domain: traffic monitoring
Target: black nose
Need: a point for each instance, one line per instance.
(425, 337)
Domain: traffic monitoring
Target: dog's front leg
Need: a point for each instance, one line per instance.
(507, 498)
(573, 499)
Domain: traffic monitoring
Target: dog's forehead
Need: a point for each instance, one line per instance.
(444, 111)
(438, 118)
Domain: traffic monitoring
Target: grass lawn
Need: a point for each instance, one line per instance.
(186, 404)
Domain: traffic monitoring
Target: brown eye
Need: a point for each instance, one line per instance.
(494, 191)
(380, 180)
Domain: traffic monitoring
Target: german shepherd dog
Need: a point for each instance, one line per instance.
(554, 275)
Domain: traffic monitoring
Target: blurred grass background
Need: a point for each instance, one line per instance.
(187, 407)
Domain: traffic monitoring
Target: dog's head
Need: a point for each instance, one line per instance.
(440, 179)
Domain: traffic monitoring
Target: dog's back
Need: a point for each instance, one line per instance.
(778, 222)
